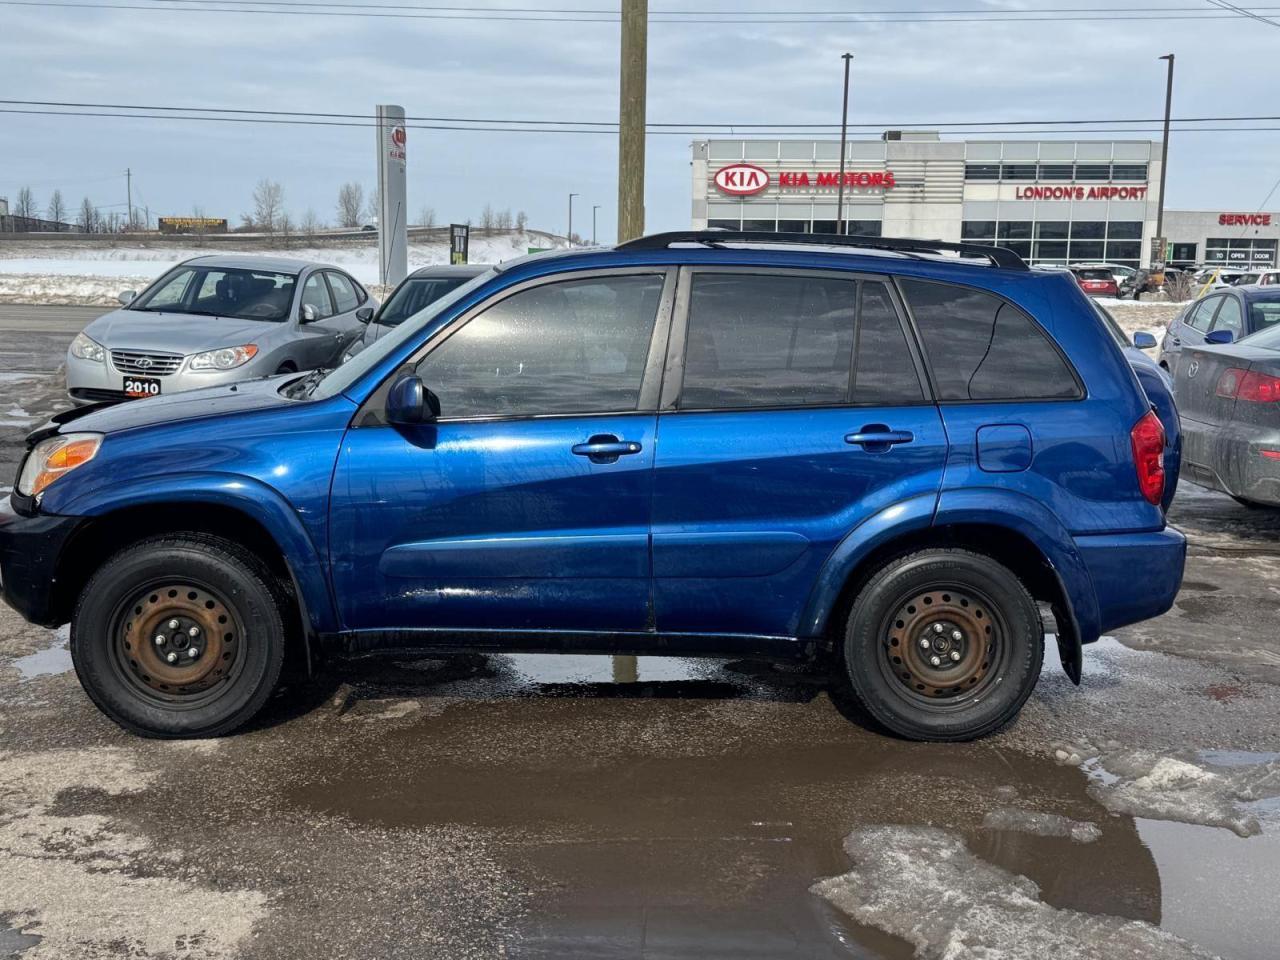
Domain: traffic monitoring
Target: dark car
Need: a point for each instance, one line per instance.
(1238, 311)
(1229, 395)
(415, 292)
(1096, 281)
(879, 453)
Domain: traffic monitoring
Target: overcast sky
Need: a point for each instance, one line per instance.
(698, 72)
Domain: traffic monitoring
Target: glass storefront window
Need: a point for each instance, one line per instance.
(1119, 250)
(724, 224)
(1124, 230)
(1093, 171)
(978, 230)
(1082, 250)
(768, 226)
(1052, 230)
(1018, 171)
(1051, 250)
(862, 228)
(1021, 247)
(982, 171)
(824, 226)
(1014, 230)
(1129, 171)
(1088, 229)
(793, 226)
(1057, 171)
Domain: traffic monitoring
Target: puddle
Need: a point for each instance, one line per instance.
(46, 662)
(689, 813)
(14, 942)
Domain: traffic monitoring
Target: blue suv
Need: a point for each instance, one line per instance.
(898, 456)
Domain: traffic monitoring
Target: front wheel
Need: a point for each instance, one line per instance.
(943, 645)
(180, 636)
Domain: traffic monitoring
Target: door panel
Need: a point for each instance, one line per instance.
(493, 525)
(318, 340)
(812, 419)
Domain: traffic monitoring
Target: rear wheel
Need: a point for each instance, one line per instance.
(180, 636)
(943, 645)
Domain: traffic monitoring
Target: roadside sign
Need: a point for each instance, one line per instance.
(459, 241)
(191, 225)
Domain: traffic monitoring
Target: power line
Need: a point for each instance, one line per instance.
(264, 7)
(612, 124)
(574, 130)
(1242, 12)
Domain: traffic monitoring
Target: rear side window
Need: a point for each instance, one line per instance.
(1202, 313)
(344, 294)
(983, 348)
(1230, 317)
(884, 372)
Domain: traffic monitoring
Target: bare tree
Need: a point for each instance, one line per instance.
(284, 223)
(373, 209)
(504, 219)
(87, 218)
(268, 205)
(57, 208)
(310, 224)
(427, 217)
(350, 203)
(25, 204)
(522, 221)
(488, 219)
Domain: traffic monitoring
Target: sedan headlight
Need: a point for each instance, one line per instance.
(87, 349)
(52, 458)
(226, 358)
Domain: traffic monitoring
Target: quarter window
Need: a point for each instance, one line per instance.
(983, 348)
(577, 346)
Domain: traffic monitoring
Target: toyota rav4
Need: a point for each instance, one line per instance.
(899, 457)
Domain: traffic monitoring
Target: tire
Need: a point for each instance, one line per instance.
(202, 684)
(990, 645)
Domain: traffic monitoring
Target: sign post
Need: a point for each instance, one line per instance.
(393, 233)
(459, 241)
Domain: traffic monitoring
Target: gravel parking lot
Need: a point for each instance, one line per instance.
(532, 806)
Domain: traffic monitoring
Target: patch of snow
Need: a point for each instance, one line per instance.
(922, 884)
(1041, 824)
(47, 662)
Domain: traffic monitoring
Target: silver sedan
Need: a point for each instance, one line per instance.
(215, 320)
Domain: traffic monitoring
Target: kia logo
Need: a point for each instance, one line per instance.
(741, 179)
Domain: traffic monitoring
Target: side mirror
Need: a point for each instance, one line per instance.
(1144, 341)
(127, 297)
(411, 402)
(364, 314)
(309, 313)
(1219, 336)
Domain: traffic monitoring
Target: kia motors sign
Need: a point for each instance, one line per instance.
(746, 179)
(741, 179)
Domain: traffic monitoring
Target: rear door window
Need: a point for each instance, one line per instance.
(1264, 314)
(980, 347)
(345, 297)
(884, 371)
(1200, 315)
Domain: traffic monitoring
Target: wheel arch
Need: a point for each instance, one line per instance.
(1012, 529)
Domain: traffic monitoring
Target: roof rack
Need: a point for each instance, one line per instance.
(996, 256)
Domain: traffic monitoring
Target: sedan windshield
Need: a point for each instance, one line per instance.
(342, 377)
(414, 295)
(214, 291)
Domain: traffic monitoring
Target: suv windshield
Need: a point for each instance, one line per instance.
(214, 291)
(414, 295)
(338, 379)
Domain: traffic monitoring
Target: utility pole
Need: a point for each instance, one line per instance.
(844, 127)
(594, 208)
(569, 234)
(128, 188)
(631, 118)
(1164, 163)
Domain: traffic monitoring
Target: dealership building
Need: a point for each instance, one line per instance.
(1052, 201)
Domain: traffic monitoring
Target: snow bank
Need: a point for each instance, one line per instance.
(923, 885)
(67, 272)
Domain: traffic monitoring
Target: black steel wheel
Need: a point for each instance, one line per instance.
(180, 636)
(943, 645)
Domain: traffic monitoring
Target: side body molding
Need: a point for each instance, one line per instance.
(248, 495)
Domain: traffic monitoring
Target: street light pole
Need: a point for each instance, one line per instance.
(1164, 156)
(594, 208)
(569, 235)
(844, 127)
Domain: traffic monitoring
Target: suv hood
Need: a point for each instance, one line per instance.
(189, 405)
(183, 333)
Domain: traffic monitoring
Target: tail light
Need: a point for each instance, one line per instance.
(1248, 385)
(1147, 437)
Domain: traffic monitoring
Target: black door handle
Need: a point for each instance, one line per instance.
(877, 438)
(605, 448)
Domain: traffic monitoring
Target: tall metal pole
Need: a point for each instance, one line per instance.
(844, 127)
(594, 208)
(569, 234)
(631, 118)
(128, 189)
(1164, 154)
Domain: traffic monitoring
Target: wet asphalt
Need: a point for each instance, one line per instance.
(537, 807)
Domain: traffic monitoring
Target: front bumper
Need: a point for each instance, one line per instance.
(1136, 576)
(29, 551)
(91, 381)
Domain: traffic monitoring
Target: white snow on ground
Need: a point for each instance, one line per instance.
(91, 273)
(1193, 788)
(1040, 824)
(922, 884)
